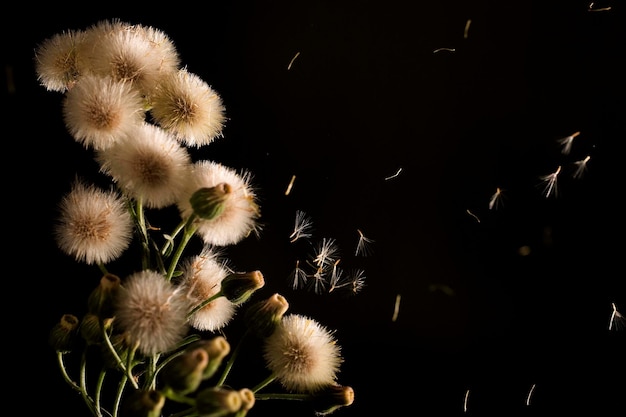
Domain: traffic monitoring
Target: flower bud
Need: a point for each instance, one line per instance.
(247, 401)
(63, 334)
(217, 348)
(90, 329)
(209, 202)
(183, 374)
(100, 301)
(263, 316)
(239, 286)
(143, 403)
(331, 398)
(218, 402)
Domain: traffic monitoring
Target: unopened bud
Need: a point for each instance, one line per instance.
(209, 202)
(217, 348)
(91, 329)
(63, 334)
(143, 403)
(331, 398)
(100, 301)
(183, 374)
(247, 400)
(239, 286)
(263, 316)
(217, 402)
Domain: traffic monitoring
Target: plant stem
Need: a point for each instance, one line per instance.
(264, 383)
(190, 229)
(232, 358)
(83, 385)
(283, 396)
(204, 304)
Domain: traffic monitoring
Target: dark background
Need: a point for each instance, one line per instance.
(369, 96)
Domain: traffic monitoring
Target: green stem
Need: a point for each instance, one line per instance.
(169, 243)
(98, 391)
(118, 396)
(264, 383)
(283, 396)
(190, 229)
(83, 385)
(204, 303)
(118, 360)
(174, 396)
(129, 366)
(140, 222)
(66, 377)
(232, 358)
(151, 371)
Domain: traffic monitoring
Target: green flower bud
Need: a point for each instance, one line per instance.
(100, 301)
(217, 348)
(209, 202)
(218, 402)
(263, 316)
(183, 374)
(239, 286)
(143, 403)
(63, 334)
(90, 329)
(332, 398)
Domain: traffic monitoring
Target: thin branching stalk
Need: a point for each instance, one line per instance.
(189, 231)
(205, 303)
(233, 357)
(283, 396)
(99, 385)
(83, 385)
(66, 377)
(120, 392)
(264, 383)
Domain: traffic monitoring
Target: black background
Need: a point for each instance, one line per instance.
(370, 96)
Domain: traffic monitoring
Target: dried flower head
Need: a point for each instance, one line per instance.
(57, 60)
(240, 214)
(148, 165)
(187, 106)
(134, 54)
(100, 110)
(94, 225)
(201, 280)
(302, 354)
(151, 312)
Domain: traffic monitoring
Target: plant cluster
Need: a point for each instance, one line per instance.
(151, 341)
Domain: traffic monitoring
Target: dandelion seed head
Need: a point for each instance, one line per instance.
(94, 226)
(202, 277)
(189, 108)
(241, 213)
(140, 56)
(303, 354)
(57, 61)
(149, 165)
(99, 110)
(151, 312)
